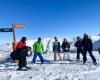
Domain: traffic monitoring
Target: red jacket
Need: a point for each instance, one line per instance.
(21, 44)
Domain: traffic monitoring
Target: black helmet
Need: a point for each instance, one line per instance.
(23, 39)
(56, 38)
(78, 37)
(39, 39)
(85, 35)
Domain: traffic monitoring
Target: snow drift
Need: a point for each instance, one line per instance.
(5, 50)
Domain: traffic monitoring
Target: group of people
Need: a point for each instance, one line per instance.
(22, 51)
(57, 49)
(83, 46)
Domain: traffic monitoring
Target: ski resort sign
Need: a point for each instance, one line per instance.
(6, 30)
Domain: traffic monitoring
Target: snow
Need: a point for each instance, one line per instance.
(95, 38)
(5, 50)
(50, 70)
(57, 70)
(96, 45)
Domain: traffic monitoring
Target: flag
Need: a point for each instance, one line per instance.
(19, 26)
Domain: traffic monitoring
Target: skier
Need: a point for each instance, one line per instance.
(87, 47)
(65, 47)
(20, 45)
(38, 49)
(56, 49)
(22, 58)
(78, 44)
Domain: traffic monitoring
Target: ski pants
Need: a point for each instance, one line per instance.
(85, 50)
(55, 56)
(22, 62)
(79, 51)
(39, 55)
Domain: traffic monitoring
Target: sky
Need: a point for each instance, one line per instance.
(49, 18)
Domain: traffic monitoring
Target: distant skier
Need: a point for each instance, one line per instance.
(22, 58)
(78, 44)
(65, 47)
(38, 50)
(87, 47)
(56, 49)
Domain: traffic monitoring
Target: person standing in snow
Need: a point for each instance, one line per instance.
(20, 45)
(78, 45)
(22, 58)
(65, 47)
(56, 49)
(38, 50)
(87, 47)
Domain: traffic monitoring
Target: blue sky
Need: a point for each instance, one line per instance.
(49, 18)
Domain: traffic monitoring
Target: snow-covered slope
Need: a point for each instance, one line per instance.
(96, 42)
(96, 45)
(95, 37)
(58, 70)
(5, 50)
(5, 47)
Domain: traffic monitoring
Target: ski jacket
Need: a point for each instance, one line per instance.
(65, 46)
(23, 53)
(21, 45)
(56, 47)
(78, 44)
(38, 47)
(87, 43)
